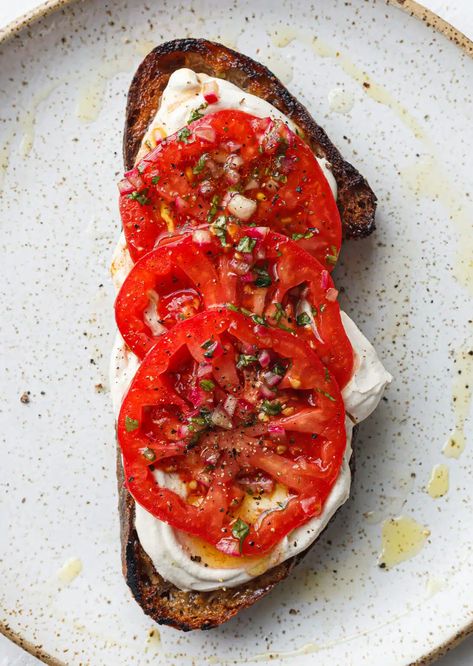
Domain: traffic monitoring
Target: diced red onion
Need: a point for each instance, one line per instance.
(197, 396)
(125, 187)
(228, 546)
(210, 455)
(331, 294)
(233, 162)
(242, 207)
(260, 253)
(206, 133)
(266, 392)
(248, 277)
(232, 176)
(182, 431)
(247, 256)
(264, 358)
(287, 164)
(152, 156)
(210, 92)
(246, 348)
(233, 146)
(221, 419)
(204, 369)
(276, 431)
(257, 232)
(201, 237)
(206, 187)
(324, 280)
(135, 179)
(239, 267)
(230, 404)
(261, 484)
(271, 378)
(180, 204)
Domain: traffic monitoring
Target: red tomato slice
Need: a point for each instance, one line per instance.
(231, 167)
(227, 438)
(273, 278)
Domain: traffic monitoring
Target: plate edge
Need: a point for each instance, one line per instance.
(412, 8)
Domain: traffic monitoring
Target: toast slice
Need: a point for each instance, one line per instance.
(162, 600)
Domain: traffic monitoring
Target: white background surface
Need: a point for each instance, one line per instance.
(460, 14)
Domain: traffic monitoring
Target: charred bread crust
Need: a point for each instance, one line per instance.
(356, 200)
(167, 604)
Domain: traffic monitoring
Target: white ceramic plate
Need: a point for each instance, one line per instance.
(63, 82)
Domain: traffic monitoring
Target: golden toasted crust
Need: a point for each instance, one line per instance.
(162, 600)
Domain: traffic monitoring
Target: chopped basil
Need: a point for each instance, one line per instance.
(219, 228)
(196, 113)
(207, 384)
(210, 350)
(131, 424)
(240, 531)
(327, 395)
(155, 180)
(213, 208)
(278, 369)
(184, 135)
(149, 454)
(245, 359)
(313, 309)
(259, 320)
(280, 312)
(303, 319)
(232, 307)
(200, 163)
(332, 258)
(141, 197)
(271, 408)
(326, 375)
(322, 307)
(246, 244)
(307, 234)
(263, 278)
(208, 343)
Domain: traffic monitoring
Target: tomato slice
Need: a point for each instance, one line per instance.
(290, 432)
(256, 270)
(230, 167)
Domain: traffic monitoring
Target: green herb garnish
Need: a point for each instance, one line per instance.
(200, 163)
(307, 234)
(149, 454)
(213, 208)
(196, 113)
(280, 312)
(303, 319)
(327, 395)
(240, 531)
(245, 359)
(332, 258)
(219, 228)
(246, 244)
(141, 197)
(263, 279)
(155, 180)
(271, 408)
(131, 424)
(184, 135)
(207, 384)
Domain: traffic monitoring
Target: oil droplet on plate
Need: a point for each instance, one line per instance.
(69, 570)
(340, 100)
(282, 36)
(401, 539)
(438, 482)
(153, 639)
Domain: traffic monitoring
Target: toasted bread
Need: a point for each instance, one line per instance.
(160, 599)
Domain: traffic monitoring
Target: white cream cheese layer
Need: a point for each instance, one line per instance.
(185, 562)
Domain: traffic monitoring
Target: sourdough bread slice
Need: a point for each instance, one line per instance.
(162, 600)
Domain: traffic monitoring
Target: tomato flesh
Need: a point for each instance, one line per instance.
(231, 165)
(276, 280)
(211, 447)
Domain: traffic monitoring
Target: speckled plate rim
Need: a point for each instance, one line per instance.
(414, 9)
